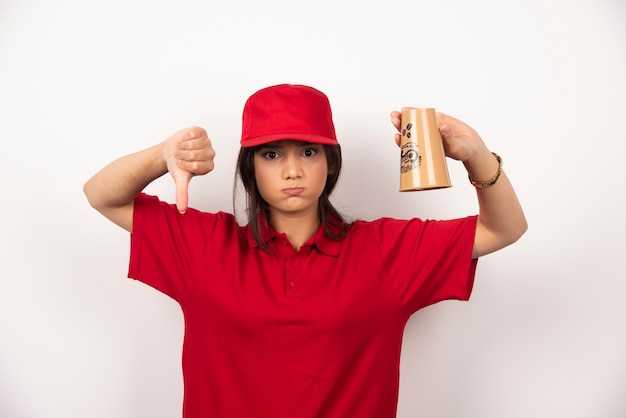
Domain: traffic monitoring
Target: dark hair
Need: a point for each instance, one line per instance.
(335, 225)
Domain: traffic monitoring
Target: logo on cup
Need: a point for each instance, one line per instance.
(409, 155)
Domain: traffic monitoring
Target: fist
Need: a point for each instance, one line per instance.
(187, 153)
(460, 141)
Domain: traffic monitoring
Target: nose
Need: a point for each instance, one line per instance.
(292, 167)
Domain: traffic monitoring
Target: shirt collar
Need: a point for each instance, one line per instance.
(267, 232)
(324, 243)
(320, 239)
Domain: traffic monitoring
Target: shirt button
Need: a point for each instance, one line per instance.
(292, 285)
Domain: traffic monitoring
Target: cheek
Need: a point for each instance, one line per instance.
(322, 176)
(258, 171)
(265, 182)
(261, 180)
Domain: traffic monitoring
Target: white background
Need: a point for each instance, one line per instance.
(543, 82)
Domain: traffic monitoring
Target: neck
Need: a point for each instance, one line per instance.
(298, 228)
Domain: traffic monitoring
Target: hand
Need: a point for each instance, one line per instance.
(460, 141)
(187, 153)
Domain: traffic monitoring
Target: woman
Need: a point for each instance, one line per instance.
(299, 313)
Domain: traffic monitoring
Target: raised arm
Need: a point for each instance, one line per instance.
(113, 189)
(501, 220)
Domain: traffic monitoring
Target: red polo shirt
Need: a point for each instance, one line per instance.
(309, 333)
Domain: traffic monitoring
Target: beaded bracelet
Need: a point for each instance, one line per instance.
(488, 183)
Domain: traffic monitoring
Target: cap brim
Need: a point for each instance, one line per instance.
(265, 139)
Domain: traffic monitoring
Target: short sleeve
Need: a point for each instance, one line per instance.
(168, 250)
(428, 261)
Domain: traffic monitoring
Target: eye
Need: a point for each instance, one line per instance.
(309, 152)
(270, 155)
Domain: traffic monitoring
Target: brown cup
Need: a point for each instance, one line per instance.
(423, 163)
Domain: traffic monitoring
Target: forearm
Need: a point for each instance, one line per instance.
(501, 220)
(118, 183)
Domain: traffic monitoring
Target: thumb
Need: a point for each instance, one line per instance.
(182, 192)
(446, 131)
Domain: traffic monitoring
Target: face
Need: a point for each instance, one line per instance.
(290, 176)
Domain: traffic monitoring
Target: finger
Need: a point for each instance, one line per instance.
(398, 139)
(441, 117)
(194, 143)
(454, 123)
(396, 119)
(199, 155)
(182, 193)
(196, 167)
(194, 132)
(191, 138)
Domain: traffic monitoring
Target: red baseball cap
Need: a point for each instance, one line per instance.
(287, 111)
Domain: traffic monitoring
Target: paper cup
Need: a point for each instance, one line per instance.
(423, 163)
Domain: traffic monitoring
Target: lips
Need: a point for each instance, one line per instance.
(293, 191)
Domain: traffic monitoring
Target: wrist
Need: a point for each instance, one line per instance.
(159, 158)
(484, 172)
